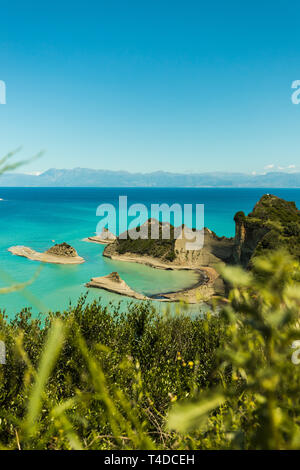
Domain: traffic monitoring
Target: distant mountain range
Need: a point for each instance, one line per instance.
(84, 177)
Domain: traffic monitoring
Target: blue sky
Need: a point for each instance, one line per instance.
(163, 85)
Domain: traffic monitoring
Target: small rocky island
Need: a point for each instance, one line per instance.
(62, 253)
(104, 238)
(113, 283)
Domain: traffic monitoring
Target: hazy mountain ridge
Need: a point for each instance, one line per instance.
(84, 177)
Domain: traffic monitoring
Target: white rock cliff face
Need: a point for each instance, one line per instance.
(214, 249)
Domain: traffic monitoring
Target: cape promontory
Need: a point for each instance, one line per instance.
(273, 223)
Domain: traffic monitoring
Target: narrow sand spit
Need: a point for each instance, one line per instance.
(50, 256)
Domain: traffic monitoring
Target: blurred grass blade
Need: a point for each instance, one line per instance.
(4, 167)
(8, 156)
(31, 298)
(50, 354)
(20, 285)
(62, 421)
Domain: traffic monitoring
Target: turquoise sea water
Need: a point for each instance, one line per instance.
(36, 216)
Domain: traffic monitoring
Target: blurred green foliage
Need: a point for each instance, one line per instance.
(95, 378)
(258, 400)
(93, 371)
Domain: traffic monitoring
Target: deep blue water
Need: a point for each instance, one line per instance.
(36, 216)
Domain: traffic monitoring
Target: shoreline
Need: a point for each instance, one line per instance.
(121, 288)
(96, 239)
(151, 262)
(208, 285)
(202, 279)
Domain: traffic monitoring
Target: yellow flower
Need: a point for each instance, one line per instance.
(191, 364)
(184, 364)
(173, 398)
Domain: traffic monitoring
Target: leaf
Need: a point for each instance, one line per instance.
(235, 275)
(185, 417)
(50, 353)
(63, 422)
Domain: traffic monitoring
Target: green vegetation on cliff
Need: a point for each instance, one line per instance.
(162, 248)
(273, 224)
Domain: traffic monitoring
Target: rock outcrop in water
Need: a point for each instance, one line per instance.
(113, 283)
(104, 238)
(59, 254)
(62, 249)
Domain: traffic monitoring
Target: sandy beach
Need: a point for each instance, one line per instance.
(208, 285)
(147, 261)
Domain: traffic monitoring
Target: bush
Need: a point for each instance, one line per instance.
(150, 359)
(95, 378)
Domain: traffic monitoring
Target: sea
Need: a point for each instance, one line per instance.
(40, 217)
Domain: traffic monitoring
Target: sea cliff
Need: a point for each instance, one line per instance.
(273, 223)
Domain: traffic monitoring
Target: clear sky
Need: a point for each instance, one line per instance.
(185, 86)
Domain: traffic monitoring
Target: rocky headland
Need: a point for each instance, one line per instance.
(273, 223)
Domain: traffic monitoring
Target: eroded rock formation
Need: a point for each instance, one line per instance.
(62, 249)
(113, 283)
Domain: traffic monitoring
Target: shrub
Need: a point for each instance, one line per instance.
(93, 377)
